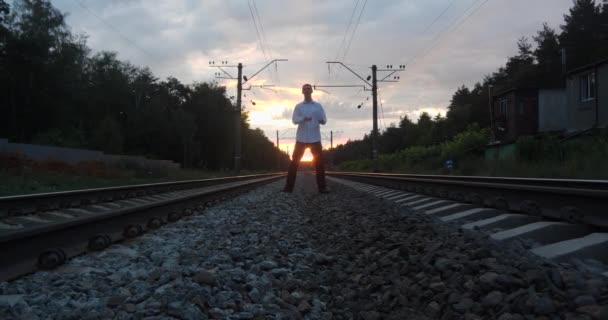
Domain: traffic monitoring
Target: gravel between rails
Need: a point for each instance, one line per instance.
(342, 255)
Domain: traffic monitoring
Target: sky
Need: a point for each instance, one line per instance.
(442, 43)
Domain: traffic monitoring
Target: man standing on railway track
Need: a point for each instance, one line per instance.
(309, 116)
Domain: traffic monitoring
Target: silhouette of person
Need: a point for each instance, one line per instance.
(309, 116)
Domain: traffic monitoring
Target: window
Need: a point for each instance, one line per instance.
(587, 86)
(502, 106)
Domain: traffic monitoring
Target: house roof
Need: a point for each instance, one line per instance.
(588, 66)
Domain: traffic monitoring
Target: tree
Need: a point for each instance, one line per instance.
(548, 56)
(582, 33)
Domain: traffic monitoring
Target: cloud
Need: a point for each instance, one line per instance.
(179, 37)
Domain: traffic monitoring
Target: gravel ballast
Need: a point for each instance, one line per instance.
(342, 255)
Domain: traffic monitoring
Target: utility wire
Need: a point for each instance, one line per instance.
(257, 13)
(341, 47)
(438, 17)
(442, 33)
(108, 25)
(345, 53)
(354, 31)
(350, 21)
(257, 31)
(458, 25)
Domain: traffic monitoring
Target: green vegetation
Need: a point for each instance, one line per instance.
(39, 182)
(548, 156)
(422, 147)
(27, 180)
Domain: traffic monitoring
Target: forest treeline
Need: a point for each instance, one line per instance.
(56, 91)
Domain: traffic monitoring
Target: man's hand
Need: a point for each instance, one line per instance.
(307, 118)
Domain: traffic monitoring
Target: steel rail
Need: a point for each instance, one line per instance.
(46, 239)
(574, 183)
(40, 202)
(575, 201)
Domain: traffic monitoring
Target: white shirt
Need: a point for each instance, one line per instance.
(308, 131)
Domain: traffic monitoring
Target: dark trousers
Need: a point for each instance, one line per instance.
(317, 151)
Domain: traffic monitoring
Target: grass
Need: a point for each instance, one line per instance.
(41, 181)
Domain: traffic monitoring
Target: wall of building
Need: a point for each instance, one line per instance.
(525, 114)
(581, 114)
(500, 152)
(521, 117)
(602, 94)
(552, 110)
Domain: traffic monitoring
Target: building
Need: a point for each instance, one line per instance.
(582, 105)
(515, 113)
(587, 96)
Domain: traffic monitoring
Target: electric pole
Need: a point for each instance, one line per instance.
(375, 117)
(237, 120)
(374, 90)
(491, 112)
(331, 150)
(278, 153)
(239, 89)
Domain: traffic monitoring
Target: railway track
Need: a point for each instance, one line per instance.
(342, 255)
(41, 231)
(563, 220)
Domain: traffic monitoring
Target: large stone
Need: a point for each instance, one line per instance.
(584, 300)
(488, 280)
(594, 311)
(443, 264)
(492, 299)
(432, 309)
(543, 305)
(267, 265)
(184, 311)
(463, 306)
(115, 301)
(11, 300)
(370, 315)
(437, 286)
(511, 316)
(205, 277)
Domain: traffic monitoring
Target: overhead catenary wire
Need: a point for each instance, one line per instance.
(352, 35)
(255, 24)
(458, 25)
(117, 31)
(354, 31)
(340, 48)
(438, 17)
(265, 40)
(458, 22)
(350, 21)
(257, 14)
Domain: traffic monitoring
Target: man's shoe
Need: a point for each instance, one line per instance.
(287, 191)
(323, 191)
